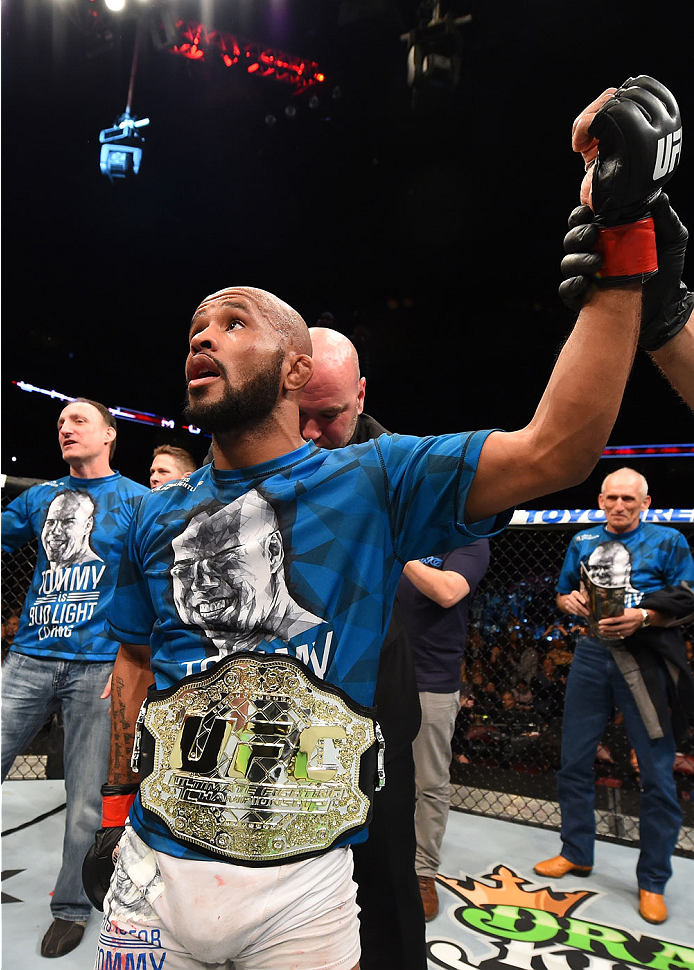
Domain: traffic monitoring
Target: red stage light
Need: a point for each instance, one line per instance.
(197, 43)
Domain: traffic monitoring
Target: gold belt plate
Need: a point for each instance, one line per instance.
(256, 762)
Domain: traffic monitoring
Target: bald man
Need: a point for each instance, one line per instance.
(392, 925)
(333, 399)
(624, 663)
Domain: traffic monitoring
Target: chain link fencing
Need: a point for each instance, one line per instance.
(507, 739)
(43, 758)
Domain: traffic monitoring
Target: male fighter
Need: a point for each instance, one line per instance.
(237, 845)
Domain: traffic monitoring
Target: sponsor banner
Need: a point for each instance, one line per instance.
(542, 517)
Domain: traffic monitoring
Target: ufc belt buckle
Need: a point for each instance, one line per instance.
(257, 761)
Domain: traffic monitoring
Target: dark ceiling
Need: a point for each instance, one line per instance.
(435, 229)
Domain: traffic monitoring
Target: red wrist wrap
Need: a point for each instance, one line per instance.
(628, 250)
(114, 810)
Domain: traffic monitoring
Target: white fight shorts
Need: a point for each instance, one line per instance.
(164, 913)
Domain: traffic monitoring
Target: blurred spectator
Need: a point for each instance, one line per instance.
(556, 630)
(170, 463)
(514, 719)
(523, 695)
(548, 691)
(528, 664)
(559, 653)
(474, 672)
(488, 697)
(491, 664)
(9, 630)
(476, 646)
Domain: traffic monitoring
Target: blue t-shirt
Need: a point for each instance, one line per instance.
(81, 525)
(436, 633)
(644, 560)
(300, 555)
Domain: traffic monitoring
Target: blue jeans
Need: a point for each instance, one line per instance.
(594, 687)
(32, 690)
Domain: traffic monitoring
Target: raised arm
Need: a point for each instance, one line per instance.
(675, 360)
(575, 416)
(667, 317)
(621, 137)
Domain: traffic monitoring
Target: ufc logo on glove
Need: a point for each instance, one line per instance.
(667, 154)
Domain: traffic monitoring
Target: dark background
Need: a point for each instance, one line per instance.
(435, 229)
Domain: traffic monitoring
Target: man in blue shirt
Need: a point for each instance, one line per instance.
(348, 519)
(62, 655)
(169, 463)
(638, 558)
(237, 843)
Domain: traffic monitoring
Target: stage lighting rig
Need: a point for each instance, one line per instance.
(434, 51)
(121, 151)
(121, 145)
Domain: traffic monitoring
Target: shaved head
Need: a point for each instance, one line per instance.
(284, 319)
(333, 350)
(249, 358)
(333, 399)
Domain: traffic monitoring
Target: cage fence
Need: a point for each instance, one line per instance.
(507, 739)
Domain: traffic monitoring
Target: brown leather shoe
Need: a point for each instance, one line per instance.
(559, 866)
(652, 907)
(430, 898)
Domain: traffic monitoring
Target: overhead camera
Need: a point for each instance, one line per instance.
(434, 53)
(121, 151)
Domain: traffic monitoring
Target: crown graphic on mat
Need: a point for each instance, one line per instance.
(509, 891)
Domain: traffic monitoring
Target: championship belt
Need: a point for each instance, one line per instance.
(257, 761)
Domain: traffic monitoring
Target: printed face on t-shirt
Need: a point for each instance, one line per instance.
(609, 564)
(225, 568)
(67, 529)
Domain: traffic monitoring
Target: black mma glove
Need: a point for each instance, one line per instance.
(99, 862)
(639, 136)
(582, 263)
(630, 139)
(667, 304)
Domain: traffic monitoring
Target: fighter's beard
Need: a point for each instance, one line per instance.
(239, 409)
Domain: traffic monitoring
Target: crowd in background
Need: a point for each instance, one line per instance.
(513, 681)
